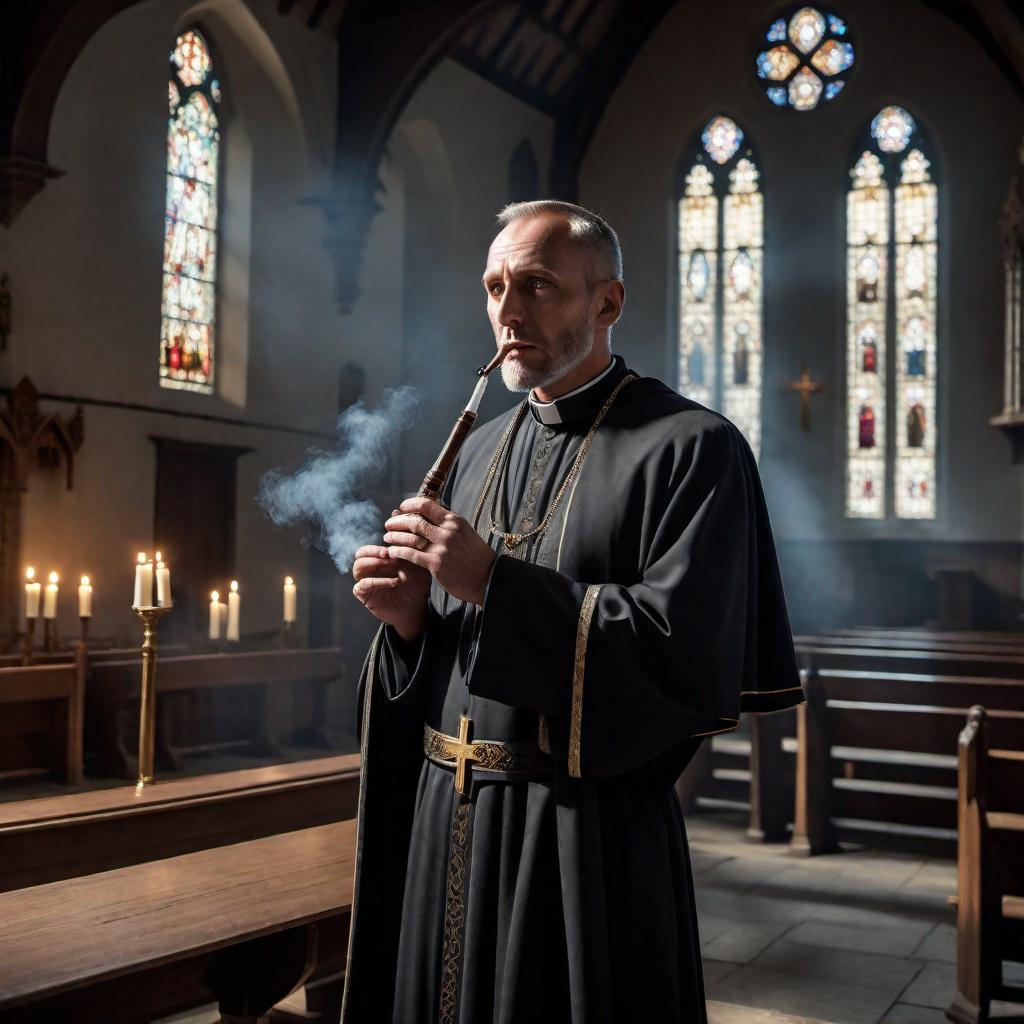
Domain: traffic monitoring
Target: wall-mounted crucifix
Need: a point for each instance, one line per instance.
(28, 439)
(806, 387)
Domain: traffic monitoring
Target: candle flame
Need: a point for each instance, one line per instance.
(158, 557)
(54, 578)
(30, 573)
(289, 582)
(214, 596)
(142, 558)
(234, 586)
(85, 581)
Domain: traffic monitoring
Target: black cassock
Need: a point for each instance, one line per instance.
(647, 614)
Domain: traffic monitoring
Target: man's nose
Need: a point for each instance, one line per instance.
(509, 310)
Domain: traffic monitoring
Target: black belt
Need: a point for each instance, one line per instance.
(509, 758)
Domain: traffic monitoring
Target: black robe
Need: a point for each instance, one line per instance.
(647, 615)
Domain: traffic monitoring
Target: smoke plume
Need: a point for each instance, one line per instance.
(324, 492)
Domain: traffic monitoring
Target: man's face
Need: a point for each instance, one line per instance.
(539, 294)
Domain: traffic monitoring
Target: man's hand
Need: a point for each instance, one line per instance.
(396, 592)
(426, 535)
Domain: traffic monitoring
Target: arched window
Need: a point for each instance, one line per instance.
(721, 261)
(188, 314)
(892, 256)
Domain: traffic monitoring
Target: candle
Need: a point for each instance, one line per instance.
(50, 598)
(32, 589)
(143, 582)
(234, 604)
(163, 584)
(85, 598)
(289, 599)
(215, 616)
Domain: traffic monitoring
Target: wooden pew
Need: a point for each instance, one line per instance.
(52, 838)
(41, 714)
(875, 756)
(113, 698)
(940, 644)
(243, 925)
(962, 636)
(956, 662)
(990, 883)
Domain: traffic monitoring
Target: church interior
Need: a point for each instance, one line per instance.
(265, 251)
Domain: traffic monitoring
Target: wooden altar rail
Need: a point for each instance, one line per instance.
(41, 713)
(52, 838)
(113, 695)
(876, 756)
(242, 924)
(990, 901)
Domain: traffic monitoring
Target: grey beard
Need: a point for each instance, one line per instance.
(574, 345)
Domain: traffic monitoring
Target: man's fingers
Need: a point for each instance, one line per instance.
(409, 540)
(426, 507)
(420, 558)
(373, 585)
(375, 565)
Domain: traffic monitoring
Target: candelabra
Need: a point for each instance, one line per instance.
(83, 640)
(150, 616)
(287, 635)
(49, 635)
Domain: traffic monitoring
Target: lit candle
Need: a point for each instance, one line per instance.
(163, 584)
(32, 590)
(215, 607)
(50, 598)
(143, 582)
(289, 599)
(85, 598)
(234, 605)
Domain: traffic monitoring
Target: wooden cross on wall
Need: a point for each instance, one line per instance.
(806, 387)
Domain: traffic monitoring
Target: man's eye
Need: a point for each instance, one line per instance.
(537, 283)
(496, 289)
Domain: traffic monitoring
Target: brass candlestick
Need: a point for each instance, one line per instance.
(150, 616)
(49, 635)
(288, 635)
(83, 639)
(26, 642)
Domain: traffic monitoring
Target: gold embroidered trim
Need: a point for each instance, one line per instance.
(761, 693)
(578, 672)
(543, 739)
(371, 675)
(454, 914)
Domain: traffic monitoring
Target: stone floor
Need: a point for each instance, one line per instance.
(852, 938)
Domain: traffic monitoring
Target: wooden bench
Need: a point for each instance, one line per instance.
(41, 713)
(113, 699)
(964, 636)
(990, 880)
(875, 757)
(242, 925)
(955, 662)
(938, 644)
(52, 838)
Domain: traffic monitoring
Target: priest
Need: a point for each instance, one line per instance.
(595, 594)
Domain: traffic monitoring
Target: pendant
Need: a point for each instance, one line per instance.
(513, 540)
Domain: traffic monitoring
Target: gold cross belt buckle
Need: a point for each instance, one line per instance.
(507, 758)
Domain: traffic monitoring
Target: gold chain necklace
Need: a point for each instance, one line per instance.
(513, 540)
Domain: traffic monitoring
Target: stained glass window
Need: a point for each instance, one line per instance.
(809, 59)
(892, 256)
(721, 261)
(190, 225)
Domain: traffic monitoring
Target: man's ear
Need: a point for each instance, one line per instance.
(612, 301)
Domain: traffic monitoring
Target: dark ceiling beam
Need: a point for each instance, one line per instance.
(1007, 31)
(382, 60)
(583, 100)
(39, 44)
(512, 84)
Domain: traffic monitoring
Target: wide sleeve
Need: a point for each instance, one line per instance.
(635, 669)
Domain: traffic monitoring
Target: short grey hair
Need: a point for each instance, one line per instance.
(593, 233)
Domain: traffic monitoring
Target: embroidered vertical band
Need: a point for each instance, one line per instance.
(371, 682)
(455, 913)
(578, 671)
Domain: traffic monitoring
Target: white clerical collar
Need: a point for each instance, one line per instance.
(548, 412)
